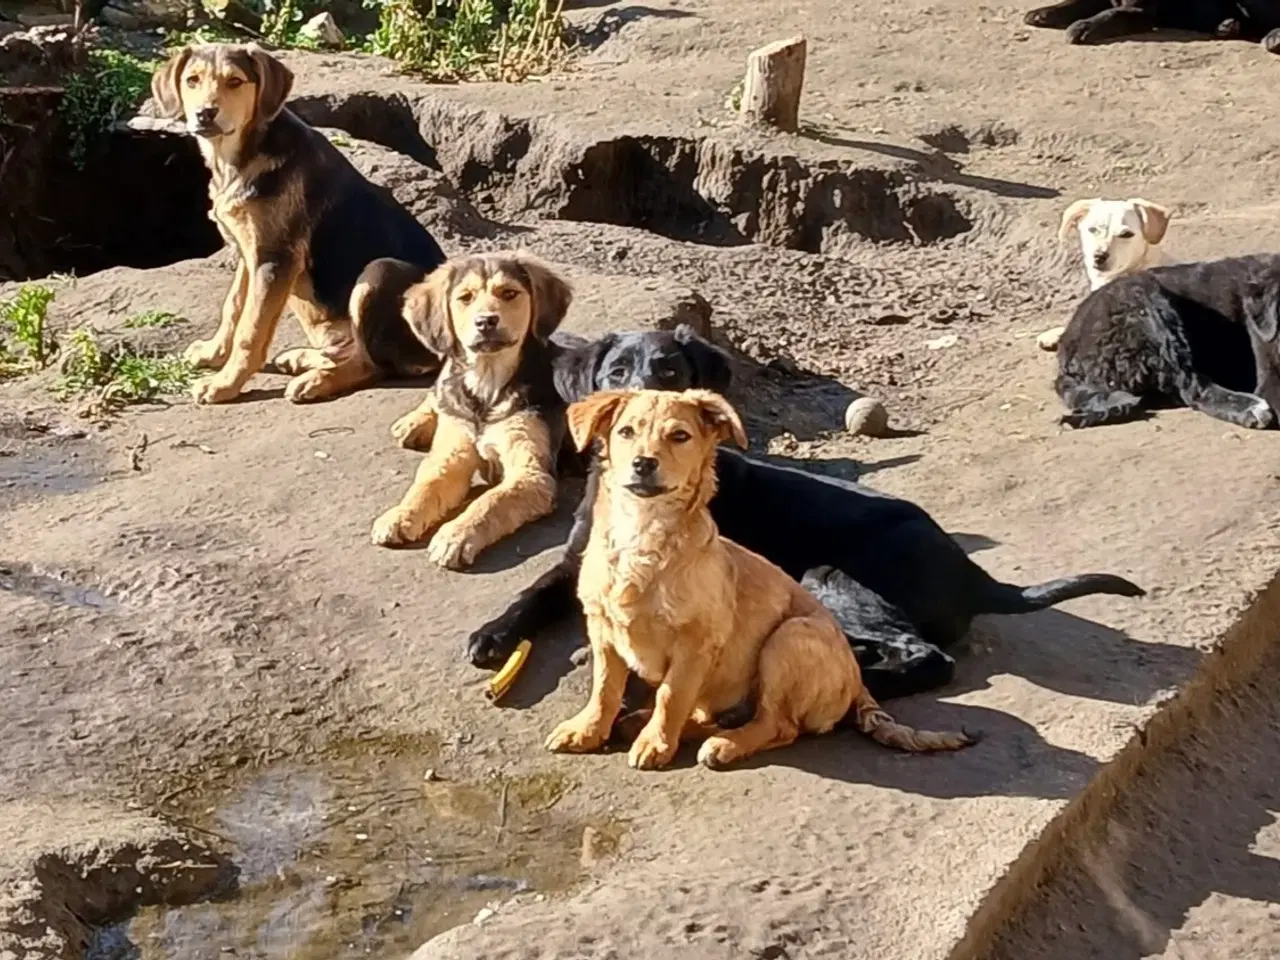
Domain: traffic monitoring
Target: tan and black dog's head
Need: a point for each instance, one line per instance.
(487, 305)
(222, 89)
(657, 443)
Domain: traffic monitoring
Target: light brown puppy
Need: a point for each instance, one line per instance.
(304, 222)
(706, 621)
(494, 409)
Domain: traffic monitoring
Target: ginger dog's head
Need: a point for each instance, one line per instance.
(486, 305)
(222, 89)
(657, 443)
(1114, 234)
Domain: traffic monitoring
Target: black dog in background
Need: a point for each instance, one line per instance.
(900, 587)
(1097, 21)
(1201, 335)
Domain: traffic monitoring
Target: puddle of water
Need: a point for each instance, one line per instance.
(26, 581)
(362, 855)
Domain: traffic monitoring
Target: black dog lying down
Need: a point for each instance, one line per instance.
(1096, 21)
(900, 587)
(1196, 334)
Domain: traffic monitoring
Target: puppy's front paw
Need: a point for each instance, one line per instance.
(206, 354)
(395, 528)
(651, 750)
(1260, 416)
(489, 646)
(214, 389)
(452, 547)
(307, 387)
(576, 735)
(415, 431)
(1080, 32)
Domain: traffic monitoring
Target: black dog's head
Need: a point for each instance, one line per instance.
(654, 360)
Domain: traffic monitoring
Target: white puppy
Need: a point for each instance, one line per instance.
(1117, 237)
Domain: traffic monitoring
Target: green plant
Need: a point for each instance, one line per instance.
(154, 318)
(282, 23)
(469, 39)
(117, 375)
(24, 317)
(110, 87)
(213, 32)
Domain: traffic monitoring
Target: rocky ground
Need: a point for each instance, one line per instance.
(205, 664)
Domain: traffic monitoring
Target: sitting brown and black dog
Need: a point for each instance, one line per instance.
(494, 408)
(1097, 21)
(305, 223)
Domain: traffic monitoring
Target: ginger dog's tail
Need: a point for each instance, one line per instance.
(870, 718)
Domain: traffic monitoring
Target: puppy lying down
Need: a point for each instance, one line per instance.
(707, 622)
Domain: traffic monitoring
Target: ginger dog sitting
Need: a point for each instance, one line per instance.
(707, 622)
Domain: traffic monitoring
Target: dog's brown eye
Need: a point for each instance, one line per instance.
(626, 433)
(508, 294)
(234, 82)
(193, 80)
(466, 297)
(680, 436)
(1125, 234)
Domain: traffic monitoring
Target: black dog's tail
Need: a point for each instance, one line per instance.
(1008, 598)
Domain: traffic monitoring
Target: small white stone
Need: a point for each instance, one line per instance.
(484, 914)
(324, 28)
(362, 836)
(1049, 339)
(942, 342)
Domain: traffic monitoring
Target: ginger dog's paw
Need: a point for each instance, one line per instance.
(296, 361)
(452, 547)
(415, 431)
(307, 387)
(205, 354)
(214, 390)
(651, 751)
(394, 528)
(716, 753)
(575, 736)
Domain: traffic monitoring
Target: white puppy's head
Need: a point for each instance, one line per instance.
(1115, 235)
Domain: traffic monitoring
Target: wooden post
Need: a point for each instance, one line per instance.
(771, 90)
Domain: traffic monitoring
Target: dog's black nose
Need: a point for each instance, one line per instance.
(1099, 259)
(486, 322)
(206, 115)
(644, 466)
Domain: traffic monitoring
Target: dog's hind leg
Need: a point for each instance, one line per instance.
(1241, 409)
(1112, 25)
(896, 661)
(1062, 15)
(1090, 406)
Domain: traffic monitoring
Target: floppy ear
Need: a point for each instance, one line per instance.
(709, 362)
(551, 296)
(1072, 216)
(164, 85)
(594, 416)
(426, 310)
(1155, 219)
(1262, 311)
(719, 416)
(574, 370)
(275, 80)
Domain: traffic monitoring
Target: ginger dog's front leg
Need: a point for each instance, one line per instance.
(269, 286)
(441, 485)
(213, 353)
(590, 727)
(526, 492)
(674, 702)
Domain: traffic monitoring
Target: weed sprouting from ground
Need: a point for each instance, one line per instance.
(118, 375)
(25, 341)
(470, 39)
(153, 319)
(109, 89)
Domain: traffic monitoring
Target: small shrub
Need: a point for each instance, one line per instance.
(117, 376)
(23, 318)
(157, 319)
(469, 39)
(109, 89)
